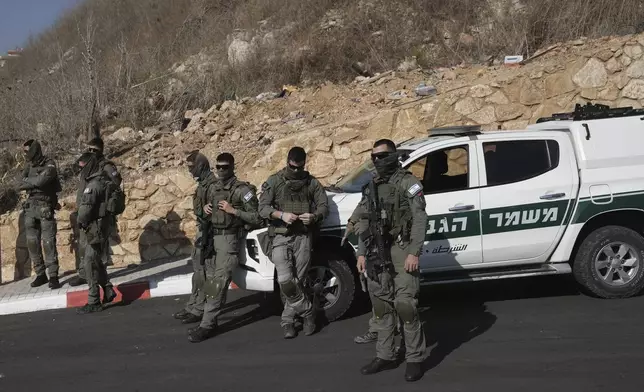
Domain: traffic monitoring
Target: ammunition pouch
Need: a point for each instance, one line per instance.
(266, 243)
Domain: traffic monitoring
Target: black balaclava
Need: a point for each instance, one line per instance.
(296, 154)
(387, 164)
(91, 165)
(200, 166)
(34, 154)
(226, 171)
(96, 146)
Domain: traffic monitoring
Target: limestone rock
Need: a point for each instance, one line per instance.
(633, 51)
(484, 116)
(342, 152)
(558, 84)
(531, 93)
(466, 106)
(322, 164)
(324, 145)
(634, 89)
(509, 112)
(593, 74)
(480, 91)
(498, 98)
(515, 125)
(613, 66)
(636, 70)
(344, 135)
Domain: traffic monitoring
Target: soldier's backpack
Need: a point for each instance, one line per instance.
(114, 199)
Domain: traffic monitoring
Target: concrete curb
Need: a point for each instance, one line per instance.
(128, 292)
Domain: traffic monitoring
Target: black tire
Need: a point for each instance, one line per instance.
(584, 263)
(347, 285)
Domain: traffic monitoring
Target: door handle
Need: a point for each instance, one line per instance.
(462, 208)
(550, 196)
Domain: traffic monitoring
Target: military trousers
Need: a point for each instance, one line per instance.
(219, 273)
(197, 298)
(397, 293)
(40, 227)
(292, 258)
(95, 271)
(82, 245)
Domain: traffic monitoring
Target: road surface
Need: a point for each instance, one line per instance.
(522, 335)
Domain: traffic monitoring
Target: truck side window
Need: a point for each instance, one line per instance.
(444, 170)
(518, 160)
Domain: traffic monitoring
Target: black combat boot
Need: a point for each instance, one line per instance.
(39, 281)
(308, 326)
(369, 337)
(414, 371)
(377, 365)
(108, 295)
(180, 315)
(200, 334)
(87, 308)
(191, 319)
(54, 283)
(289, 331)
(77, 281)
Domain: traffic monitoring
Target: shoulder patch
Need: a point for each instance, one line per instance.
(248, 196)
(413, 190)
(87, 190)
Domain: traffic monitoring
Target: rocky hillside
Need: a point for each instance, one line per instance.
(336, 124)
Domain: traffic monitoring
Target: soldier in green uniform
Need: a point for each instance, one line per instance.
(200, 170)
(91, 221)
(109, 169)
(40, 181)
(295, 203)
(233, 212)
(388, 250)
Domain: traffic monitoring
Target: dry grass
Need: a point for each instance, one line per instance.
(102, 53)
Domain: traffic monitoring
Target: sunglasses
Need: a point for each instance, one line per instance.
(380, 155)
(222, 167)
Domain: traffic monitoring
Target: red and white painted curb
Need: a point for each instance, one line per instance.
(128, 292)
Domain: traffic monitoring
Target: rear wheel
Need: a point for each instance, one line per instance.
(610, 262)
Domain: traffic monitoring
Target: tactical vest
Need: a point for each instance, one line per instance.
(221, 219)
(48, 193)
(199, 198)
(394, 207)
(293, 196)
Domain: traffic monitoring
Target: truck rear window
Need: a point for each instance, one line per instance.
(518, 160)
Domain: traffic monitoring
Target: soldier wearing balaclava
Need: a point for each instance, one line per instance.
(40, 181)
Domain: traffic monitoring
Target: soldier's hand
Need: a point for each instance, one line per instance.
(208, 208)
(226, 207)
(411, 263)
(307, 218)
(289, 218)
(361, 264)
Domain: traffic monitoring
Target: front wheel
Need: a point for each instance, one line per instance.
(610, 262)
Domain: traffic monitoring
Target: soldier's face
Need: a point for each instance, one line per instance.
(296, 166)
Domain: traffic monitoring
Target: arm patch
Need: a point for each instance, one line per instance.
(413, 190)
(248, 196)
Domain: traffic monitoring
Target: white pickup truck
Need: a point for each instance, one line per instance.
(565, 195)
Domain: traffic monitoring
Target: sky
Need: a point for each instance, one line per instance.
(21, 18)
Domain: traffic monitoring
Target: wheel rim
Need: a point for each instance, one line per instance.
(325, 285)
(617, 264)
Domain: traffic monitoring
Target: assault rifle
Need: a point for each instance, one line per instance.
(378, 249)
(206, 243)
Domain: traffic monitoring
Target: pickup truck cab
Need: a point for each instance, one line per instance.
(565, 195)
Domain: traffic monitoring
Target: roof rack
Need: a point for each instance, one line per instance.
(593, 112)
(458, 130)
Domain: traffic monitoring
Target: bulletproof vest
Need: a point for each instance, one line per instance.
(394, 206)
(293, 196)
(224, 191)
(47, 193)
(199, 198)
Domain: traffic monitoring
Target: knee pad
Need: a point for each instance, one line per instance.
(406, 310)
(213, 287)
(380, 308)
(290, 289)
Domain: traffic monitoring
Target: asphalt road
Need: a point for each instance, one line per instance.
(528, 335)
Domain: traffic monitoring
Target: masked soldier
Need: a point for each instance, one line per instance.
(295, 203)
(199, 168)
(40, 181)
(109, 169)
(91, 221)
(388, 250)
(233, 212)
